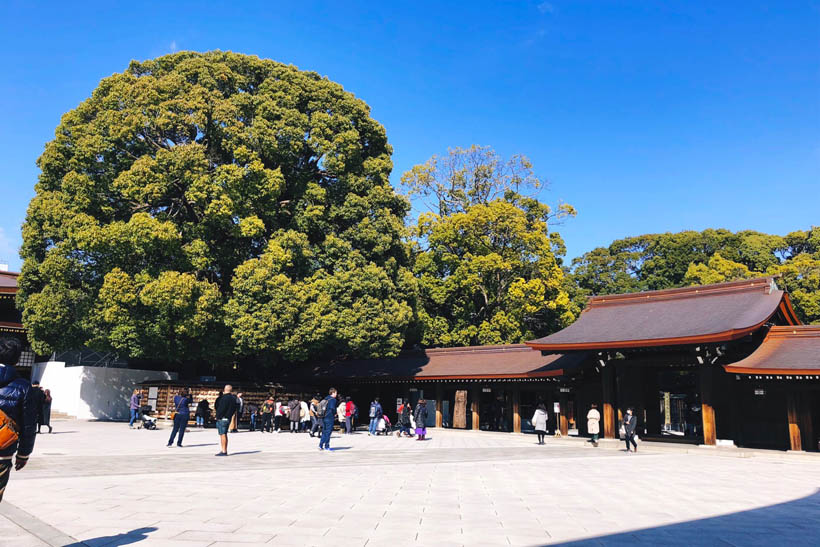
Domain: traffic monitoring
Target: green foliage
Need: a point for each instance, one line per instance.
(487, 265)
(168, 200)
(660, 261)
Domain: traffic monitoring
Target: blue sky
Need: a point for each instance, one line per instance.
(646, 116)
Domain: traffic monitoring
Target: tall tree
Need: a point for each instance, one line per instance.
(199, 205)
(488, 267)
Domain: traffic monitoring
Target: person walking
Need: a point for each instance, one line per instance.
(403, 420)
(421, 420)
(304, 416)
(278, 415)
(594, 423)
(348, 416)
(135, 407)
(182, 413)
(315, 423)
(630, 423)
(295, 414)
(240, 409)
(39, 398)
(225, 406)
(18, 406)
(340, 412)
(203, 412)
(375, 415)
(540, 419)
(45, 415)
(253, 415)
(327, 413)
(268, 408)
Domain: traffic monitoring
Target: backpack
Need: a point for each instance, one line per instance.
(372, 410)
(8, 431)
(321, 408)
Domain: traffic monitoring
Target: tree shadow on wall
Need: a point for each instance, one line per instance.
(126, 538)
(793, 523)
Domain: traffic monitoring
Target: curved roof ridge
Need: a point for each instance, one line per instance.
(686, 292)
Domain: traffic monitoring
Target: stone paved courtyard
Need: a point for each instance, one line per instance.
(103, 484)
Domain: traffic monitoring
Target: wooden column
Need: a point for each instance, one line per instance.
(516, 409)
(706, 409)
(608, 400)
(439, 397)
(476, 394)
(806, 424)
(563, 420)
(793, 410)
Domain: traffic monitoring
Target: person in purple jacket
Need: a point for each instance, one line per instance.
(135, 407)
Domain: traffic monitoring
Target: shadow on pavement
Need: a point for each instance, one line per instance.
(126, 538)
(195, 445)
(244, 453)
(753, 527)
(58, 433)
(335, 448)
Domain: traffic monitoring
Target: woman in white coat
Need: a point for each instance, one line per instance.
(594, 423)
(305, 416)
(539, 421)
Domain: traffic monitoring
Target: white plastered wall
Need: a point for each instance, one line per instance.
(92, 393)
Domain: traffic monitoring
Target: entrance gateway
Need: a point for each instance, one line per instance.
(727, 363)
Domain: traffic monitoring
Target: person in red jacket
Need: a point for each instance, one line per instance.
(349, 406)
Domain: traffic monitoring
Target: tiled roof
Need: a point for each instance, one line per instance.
(785, 350)
(509, 361)
(8, 282)
(705, 313)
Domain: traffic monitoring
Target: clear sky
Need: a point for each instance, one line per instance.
(647, 116)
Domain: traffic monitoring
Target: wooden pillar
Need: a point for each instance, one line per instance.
(707, 409)
(652, 401)
(806, 424)
(516, 409)
(793, 410)
(476, 394)
(439, 397)
(608, 400)
(563, 421)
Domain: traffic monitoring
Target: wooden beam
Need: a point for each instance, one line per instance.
(563, 420)
(706, 406)
(608, 400)
(516, 409)
(439, 397)
(476, 394)
(793, 410)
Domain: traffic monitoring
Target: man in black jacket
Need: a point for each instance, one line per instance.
(17, 402)
(225, 407)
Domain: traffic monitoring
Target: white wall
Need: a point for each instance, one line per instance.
(92, 392)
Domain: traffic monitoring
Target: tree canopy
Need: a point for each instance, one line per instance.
(661, 261)
(488, 267)
(197, 206)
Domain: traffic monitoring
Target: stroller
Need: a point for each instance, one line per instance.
(384, 426)
(146, 420)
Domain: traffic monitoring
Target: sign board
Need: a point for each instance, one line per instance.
(207, 378)
(153, 392)
(556, 408)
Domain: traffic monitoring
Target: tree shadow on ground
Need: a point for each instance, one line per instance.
(126, 538)
(791, 523)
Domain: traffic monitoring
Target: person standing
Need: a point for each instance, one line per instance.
(594, 423)
(225, 406)
(340, 412)
(304, 416)
(314, 417)
(253, 415)
(375, 415)
(45, 415)
(39, 398)
(268, 408)
(17, 405)
(237, 418)
(327, 413)
(295, 414)
(421, 420)
(540, 419)
(404, 419)
(182, 413)
(348, 415)
(203, 412)
(630, 423)
(135, 407)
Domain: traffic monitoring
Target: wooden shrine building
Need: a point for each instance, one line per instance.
(717, 364)
(11, 320)
(713, 364)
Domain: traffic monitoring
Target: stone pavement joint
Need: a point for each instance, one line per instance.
(43, 531)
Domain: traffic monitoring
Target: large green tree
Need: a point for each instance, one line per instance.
(199, 206)
(660, 261)
(488, 266)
